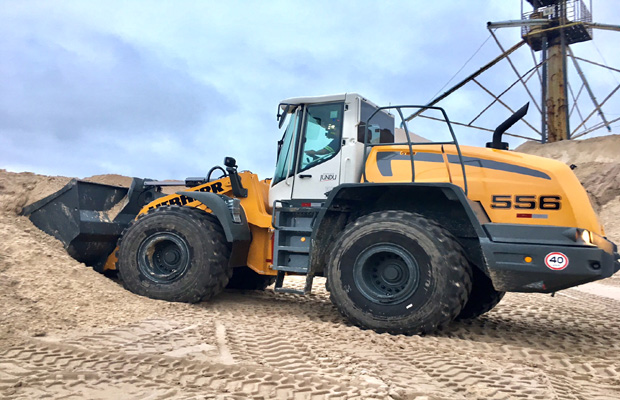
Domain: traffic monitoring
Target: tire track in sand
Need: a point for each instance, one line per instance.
(569, 346)
(38, 369)
(531, 346)
(313, 348)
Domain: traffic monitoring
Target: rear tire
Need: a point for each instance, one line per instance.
(175, 254)
(245, 278)
(398, 272)
(482, 299)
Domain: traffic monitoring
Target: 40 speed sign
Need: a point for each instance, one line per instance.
(556, 261)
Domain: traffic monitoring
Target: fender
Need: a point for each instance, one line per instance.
(375, 191)
(218, 204)
(237, 233)
(444, 202)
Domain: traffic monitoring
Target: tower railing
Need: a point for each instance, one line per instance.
(565, 16)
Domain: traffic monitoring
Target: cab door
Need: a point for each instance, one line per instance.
(284, 176)
(318, 152)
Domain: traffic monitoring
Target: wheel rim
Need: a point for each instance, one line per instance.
(163, 257)
(386, 274)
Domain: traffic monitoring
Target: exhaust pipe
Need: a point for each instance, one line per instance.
(504, 126)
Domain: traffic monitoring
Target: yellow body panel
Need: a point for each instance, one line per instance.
(255, 207)
(529, 183)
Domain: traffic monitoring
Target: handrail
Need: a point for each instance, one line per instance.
(409, 142)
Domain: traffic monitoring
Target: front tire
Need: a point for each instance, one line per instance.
(398, 272)
(175, 254)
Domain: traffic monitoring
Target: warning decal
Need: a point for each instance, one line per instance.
(556, 261)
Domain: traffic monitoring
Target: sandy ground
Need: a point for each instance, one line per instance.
(69, 332)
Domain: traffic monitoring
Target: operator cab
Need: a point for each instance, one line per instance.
(322, 143)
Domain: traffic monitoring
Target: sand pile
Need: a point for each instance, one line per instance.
(598, 169)
(110, 179)
(42, 289)
(19, 190)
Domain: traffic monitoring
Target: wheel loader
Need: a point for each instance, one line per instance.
(410, 234)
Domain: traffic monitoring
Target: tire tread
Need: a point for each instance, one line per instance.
(219, 271)
(460, 278)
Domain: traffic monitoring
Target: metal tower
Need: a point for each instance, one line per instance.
(549, 27)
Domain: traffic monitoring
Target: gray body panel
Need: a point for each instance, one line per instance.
(234, 231)
(509, 244)
(237, 233)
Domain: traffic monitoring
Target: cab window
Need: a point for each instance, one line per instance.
(381, 126)
(322, 134)
(286, 149)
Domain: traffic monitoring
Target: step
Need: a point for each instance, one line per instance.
(293, 229)
(280, 281)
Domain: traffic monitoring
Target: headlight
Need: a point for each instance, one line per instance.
(586, 236)
(234, 206)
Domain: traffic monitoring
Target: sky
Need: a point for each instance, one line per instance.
(167, 89)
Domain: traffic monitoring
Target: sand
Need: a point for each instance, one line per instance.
(69, 332)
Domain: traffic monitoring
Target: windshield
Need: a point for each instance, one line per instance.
(286, 148)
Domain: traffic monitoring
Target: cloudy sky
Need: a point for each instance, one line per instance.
(167, 89)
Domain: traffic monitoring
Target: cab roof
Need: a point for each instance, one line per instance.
(319, 99)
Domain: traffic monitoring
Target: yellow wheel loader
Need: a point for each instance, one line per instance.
(410, 234)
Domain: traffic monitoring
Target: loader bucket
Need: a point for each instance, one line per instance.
(88, 218)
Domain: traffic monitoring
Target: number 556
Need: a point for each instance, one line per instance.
(526, 202)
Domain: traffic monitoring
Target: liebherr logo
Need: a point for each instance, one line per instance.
(182, 200)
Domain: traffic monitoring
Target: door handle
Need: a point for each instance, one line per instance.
(305, 176)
